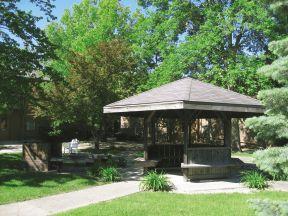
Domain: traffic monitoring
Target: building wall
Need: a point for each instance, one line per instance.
(19, 125)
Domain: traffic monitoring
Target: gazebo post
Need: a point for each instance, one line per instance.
(186, 137)
(145, 134)
(227, 132)
(153, 131)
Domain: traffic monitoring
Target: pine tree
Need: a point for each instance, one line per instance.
(273, 126)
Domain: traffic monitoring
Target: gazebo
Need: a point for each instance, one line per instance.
(183, 102)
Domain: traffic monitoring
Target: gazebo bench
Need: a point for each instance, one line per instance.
(209, 171)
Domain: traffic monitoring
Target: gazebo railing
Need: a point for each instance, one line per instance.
(168, 155)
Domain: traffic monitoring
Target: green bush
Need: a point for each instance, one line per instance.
(154, 181)
(273, 161)
(94, 170)
(116, 162)
(121, 162)
(139, 154)
(254, 179)
(110, 162)
(267, 207)
(109, 174)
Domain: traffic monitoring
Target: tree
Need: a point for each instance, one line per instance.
(222, 42)
(88, 23)
(97, 77)
(24, 49)
(158, 29)
(273, 126)
(97, 63)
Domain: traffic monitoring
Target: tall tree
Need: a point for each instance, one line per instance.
(223, 42)
(97, 77)
(273, 127)
(97, 63)
(88, 23)
(158, 29)
(24, 49)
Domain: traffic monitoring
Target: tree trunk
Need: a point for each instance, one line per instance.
(103, 129)
(236, 145)
(96, 138)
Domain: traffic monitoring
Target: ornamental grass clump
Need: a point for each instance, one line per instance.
(254, 179)
(273, 161)
(110, 174)
(154, 181)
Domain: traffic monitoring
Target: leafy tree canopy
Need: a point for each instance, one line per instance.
(96, 60)
(223, 42)
(24, 49)
(87, 24)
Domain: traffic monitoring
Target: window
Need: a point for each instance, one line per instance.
(3, 123)
(30, 125)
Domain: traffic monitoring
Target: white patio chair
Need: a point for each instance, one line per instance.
(74, 146)
(67, 148)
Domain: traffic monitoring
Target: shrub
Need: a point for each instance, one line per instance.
(116, 162)
(110, 174)
(139, 154)
(110, 162)
(94, 170)
(254, 179)
(121, 162)
(273, 161)
(267, 207)
(154, 181)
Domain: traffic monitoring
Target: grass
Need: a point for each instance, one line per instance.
(246, 153)
(167, 204)
(18, 185)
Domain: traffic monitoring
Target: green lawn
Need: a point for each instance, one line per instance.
(246, 153)
(167, 204)
(18, 185)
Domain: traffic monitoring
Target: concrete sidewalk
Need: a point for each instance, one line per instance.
(66, 201)
(230, 185)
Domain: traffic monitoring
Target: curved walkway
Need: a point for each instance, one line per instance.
(63, 202)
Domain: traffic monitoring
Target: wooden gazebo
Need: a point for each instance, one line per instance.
(188, 100)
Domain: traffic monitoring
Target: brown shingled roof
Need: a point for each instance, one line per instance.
(182, 94)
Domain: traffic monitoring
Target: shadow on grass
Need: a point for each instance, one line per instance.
(12, 174)
(11, 161)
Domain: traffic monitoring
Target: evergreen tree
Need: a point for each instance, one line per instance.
(273, 126)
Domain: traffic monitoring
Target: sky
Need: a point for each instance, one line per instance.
(61, 5)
